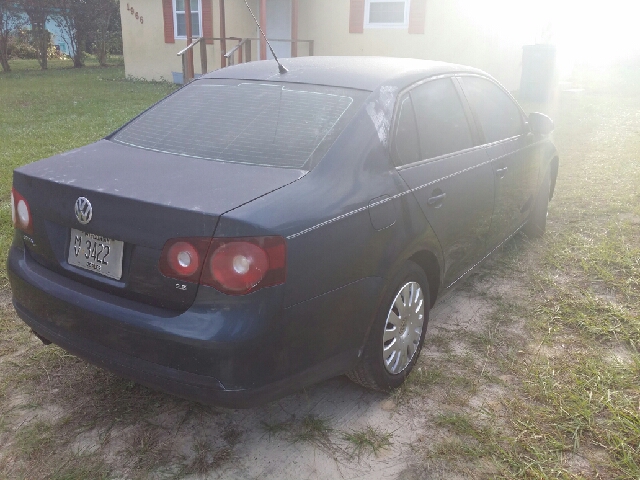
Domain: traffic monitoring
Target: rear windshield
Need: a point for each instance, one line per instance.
(281, 125)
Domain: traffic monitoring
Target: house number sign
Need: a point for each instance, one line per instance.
(134, 13)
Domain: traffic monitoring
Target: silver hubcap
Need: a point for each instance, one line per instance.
(404, 328)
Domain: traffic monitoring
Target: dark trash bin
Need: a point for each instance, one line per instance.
(538, 72)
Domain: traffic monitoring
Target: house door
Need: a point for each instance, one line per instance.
(279, 26)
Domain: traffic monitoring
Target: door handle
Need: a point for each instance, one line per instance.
(501, 171)
(436, 199)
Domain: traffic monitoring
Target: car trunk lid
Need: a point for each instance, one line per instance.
(141, 198)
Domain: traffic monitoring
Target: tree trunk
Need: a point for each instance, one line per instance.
(78, 54)
(103, 38)
(4, 58)
(41, 39)
(5, 64)
(102, 48)
(44, 49)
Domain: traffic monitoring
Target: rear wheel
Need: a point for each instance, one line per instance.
(537, 223)
(398, 331)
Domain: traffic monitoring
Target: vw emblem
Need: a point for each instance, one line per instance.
(83, 210)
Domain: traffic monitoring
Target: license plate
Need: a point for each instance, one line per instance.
(95, 253)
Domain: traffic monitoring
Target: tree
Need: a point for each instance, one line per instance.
(70, 19)
(107, 14)
(38, 12)
(10, 21)
(79, 20)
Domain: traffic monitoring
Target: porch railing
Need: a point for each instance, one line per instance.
(247, 43)
(240, 53)
(230, 55)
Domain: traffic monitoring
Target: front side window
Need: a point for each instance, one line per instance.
(180, 20)
(442, 122)
(386, 13)
(497, 113)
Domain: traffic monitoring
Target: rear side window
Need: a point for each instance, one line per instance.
(253, 123)
(498, 114)
(405, 145)
(442, 123)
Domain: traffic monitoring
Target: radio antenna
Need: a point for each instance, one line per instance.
(281, 68)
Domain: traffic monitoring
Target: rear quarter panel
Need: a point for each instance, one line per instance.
(331, 240)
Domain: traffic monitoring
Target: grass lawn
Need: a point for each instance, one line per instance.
(545, 382)
(48, 112)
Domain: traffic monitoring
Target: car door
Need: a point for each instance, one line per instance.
(452, 180)
(510, 146)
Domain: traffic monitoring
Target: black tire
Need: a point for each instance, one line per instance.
(537, 223)
(371, 372)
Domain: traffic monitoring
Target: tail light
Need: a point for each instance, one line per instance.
(182, 258)
(242, 265)
(235, 266)
(20, 212)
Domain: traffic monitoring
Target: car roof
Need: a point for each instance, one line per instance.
(364, 73)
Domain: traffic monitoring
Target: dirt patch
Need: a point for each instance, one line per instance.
(327, 431)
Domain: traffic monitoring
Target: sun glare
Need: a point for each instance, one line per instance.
(588, 32)
(597, 33)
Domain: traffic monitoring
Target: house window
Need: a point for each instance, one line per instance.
(386, 13)
(179, 18)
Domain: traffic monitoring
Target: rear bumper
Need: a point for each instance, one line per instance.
(230, 351)
(183, 384)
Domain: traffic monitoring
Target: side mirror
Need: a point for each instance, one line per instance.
(540, 124)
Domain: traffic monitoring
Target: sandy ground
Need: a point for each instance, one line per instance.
(279, 440)
(347, 407)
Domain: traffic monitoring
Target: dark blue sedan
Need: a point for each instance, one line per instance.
(257, 231)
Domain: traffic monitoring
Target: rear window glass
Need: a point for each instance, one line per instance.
(253, 123)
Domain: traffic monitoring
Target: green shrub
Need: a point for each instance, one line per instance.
(54, 52)
(22, 50)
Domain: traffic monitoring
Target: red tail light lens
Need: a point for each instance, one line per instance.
(235, 266)
(20, 212)
(182, 258)
(238, 266)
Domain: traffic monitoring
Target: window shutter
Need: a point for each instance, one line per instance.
(417, 14)
(207, 20)
(356, 16)
(167, 13)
